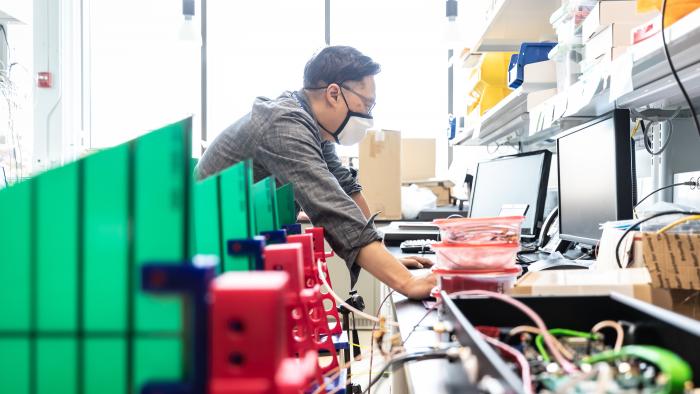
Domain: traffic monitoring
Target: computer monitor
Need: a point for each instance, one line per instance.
(518, 179)
(595, 177)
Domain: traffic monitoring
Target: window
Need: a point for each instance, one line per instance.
(141, 74)
(405, 38)
(257, 48)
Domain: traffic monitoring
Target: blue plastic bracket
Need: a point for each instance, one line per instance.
(254, 248)
(275, 236)
(192, 281)
(292, 229)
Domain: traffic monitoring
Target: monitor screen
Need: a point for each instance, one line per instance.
(595, 177)
(512, 180)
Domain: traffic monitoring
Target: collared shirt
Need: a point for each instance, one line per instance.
(283, 139)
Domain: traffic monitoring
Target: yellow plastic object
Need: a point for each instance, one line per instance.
(486, 96)
(488, 82)
(675, 9)
(494, 68)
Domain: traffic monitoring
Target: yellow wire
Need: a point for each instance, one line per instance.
(678, 222)
(636, 128)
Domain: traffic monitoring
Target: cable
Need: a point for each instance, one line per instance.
(648, 141)
(404, 359)
(673, 68)
(687, 183)
(374, 326)
(525, 373)
(548, 338)
(560, 331)
(678, 222)
(419, 322)
(619, 339)
(536, 331)
(635, 225)
(342, 302)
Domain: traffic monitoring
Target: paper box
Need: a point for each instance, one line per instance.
(417, 159)
(607, 12)
(633, 282)
(673, 259)
(380, 172)
(603, 60)
(616, 35)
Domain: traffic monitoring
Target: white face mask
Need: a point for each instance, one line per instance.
(353, 130)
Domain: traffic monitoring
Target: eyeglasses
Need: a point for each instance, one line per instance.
(368, 102)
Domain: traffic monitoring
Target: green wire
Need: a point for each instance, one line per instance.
(676, 370)
(539, 340)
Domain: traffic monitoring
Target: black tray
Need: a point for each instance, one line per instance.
(654, 325)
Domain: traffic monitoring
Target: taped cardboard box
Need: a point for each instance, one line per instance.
(673, 259)
(380, 172)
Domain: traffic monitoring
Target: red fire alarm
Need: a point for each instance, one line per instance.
(43, 79)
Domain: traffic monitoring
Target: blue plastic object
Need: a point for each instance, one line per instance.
(254, 248)
(530, 52)
(192, 281)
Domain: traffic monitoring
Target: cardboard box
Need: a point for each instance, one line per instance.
(633, 282)
(616, 35)
(607, 12)
(380, 172)
(673, 259)
(418, 159)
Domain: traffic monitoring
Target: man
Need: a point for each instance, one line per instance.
(292, 138)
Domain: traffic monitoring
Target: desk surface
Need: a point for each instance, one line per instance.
(426, 376)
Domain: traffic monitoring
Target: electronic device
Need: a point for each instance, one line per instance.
(397, 232)
(417, 246)
(517, 179)
(595, 177)
(554, 264)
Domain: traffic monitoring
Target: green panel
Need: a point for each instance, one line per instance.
(14, 366)
(286, 210)
(57, 248)
(237, 211)
(106, 237)
(157, 359)
(264, 193)
(105, 366)
(206, 217)
(161, 171)
(15, 254)
(56, 366)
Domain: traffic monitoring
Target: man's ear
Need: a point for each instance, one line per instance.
(333, 93)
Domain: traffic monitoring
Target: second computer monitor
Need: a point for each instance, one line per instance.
(595, 177)
(512, 180)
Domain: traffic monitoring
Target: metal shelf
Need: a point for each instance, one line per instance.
(643, 70)
(512, 22)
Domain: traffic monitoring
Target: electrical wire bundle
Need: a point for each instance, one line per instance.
(584, 361)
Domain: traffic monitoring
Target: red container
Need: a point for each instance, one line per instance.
(475, 257)
(498, 281)
(481, 231)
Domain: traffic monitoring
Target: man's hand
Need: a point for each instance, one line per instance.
(377, 260)
(416, 262)
(419, 287)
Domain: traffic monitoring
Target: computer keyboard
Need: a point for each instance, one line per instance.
(417, 246)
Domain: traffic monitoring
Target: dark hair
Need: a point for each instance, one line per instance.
(337, 64)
